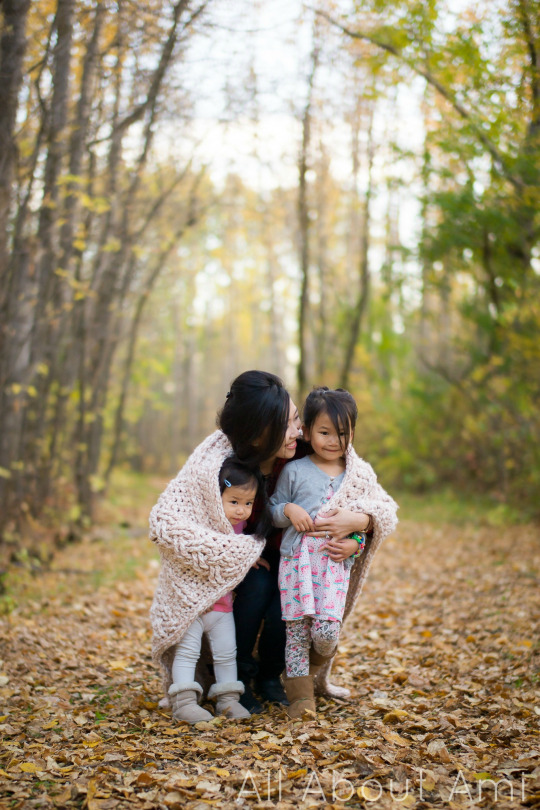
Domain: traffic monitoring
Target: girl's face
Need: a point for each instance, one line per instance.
(326, 442)
(238, 502)
(288, 448)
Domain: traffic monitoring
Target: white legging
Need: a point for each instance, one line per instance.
(219, 628)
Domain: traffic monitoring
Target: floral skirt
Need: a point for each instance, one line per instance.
(311, 584)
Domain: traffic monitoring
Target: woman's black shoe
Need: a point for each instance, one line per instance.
(270, 689)
(249, 701)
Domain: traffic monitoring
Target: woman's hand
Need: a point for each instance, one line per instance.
(339, 550)
(300, 519)
(340, 523)
(263, 562)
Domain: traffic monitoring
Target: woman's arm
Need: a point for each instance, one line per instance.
(339, 523)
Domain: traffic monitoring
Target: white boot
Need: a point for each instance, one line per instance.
(227, 695)
(184, 702)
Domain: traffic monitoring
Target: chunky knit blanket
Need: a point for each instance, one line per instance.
(202, 558)
(359, 492)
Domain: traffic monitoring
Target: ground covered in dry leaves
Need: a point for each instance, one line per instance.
(442, 658)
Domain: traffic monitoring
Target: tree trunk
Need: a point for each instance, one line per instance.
(12, 47)
(359, 311)
(303, 225)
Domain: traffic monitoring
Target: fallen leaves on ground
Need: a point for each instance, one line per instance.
(441, 658)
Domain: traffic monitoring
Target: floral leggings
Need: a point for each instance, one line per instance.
(300, 634)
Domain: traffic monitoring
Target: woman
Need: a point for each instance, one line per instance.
(260, 423)
(256, 399)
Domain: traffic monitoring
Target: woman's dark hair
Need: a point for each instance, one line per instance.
(255, 416)
(340, 407)
(238, 474)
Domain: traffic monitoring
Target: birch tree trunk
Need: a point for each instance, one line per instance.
(304, 230)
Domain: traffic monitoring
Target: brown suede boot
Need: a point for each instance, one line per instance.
(316, 660)
(300, 695)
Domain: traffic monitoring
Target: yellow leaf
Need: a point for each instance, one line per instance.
(392, 737)
(92, 790)
(368, 794)
(221, 772)
(112, 246)
(395, 716)
(426, 633)
(31, 391)
(4, 473)
(29, 767)
(297, 774)
(52, 724)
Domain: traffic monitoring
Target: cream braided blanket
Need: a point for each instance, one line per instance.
(202, 558)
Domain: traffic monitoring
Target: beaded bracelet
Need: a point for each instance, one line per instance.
(361, 540)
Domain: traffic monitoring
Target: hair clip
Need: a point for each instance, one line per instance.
(227, 483)
(227, 395)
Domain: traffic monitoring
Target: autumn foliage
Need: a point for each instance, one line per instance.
(172, 214)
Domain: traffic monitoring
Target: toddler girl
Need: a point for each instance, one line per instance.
(314, 587)
(238, 485)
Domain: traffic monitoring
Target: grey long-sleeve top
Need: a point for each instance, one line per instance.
(303, 483)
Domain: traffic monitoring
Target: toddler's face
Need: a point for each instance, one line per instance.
(325, 440)
(238, 503)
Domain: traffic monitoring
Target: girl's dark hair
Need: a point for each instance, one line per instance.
(256, 411)
(239, 474)
(338, 404)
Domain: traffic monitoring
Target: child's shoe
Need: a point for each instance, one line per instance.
(317, 661)
(184, 703)
(300, 695)
(227, 702)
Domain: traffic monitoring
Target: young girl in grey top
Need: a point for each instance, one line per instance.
(313, 587)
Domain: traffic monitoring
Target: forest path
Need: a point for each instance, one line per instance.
(442, 658)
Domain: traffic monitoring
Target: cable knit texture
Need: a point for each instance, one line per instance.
(359, 492)
(202, 558)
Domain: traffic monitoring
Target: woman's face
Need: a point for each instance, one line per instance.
(288, 448)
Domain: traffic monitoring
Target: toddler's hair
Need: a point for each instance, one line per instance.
(338, 404)
(240, 474)
(237, 474)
